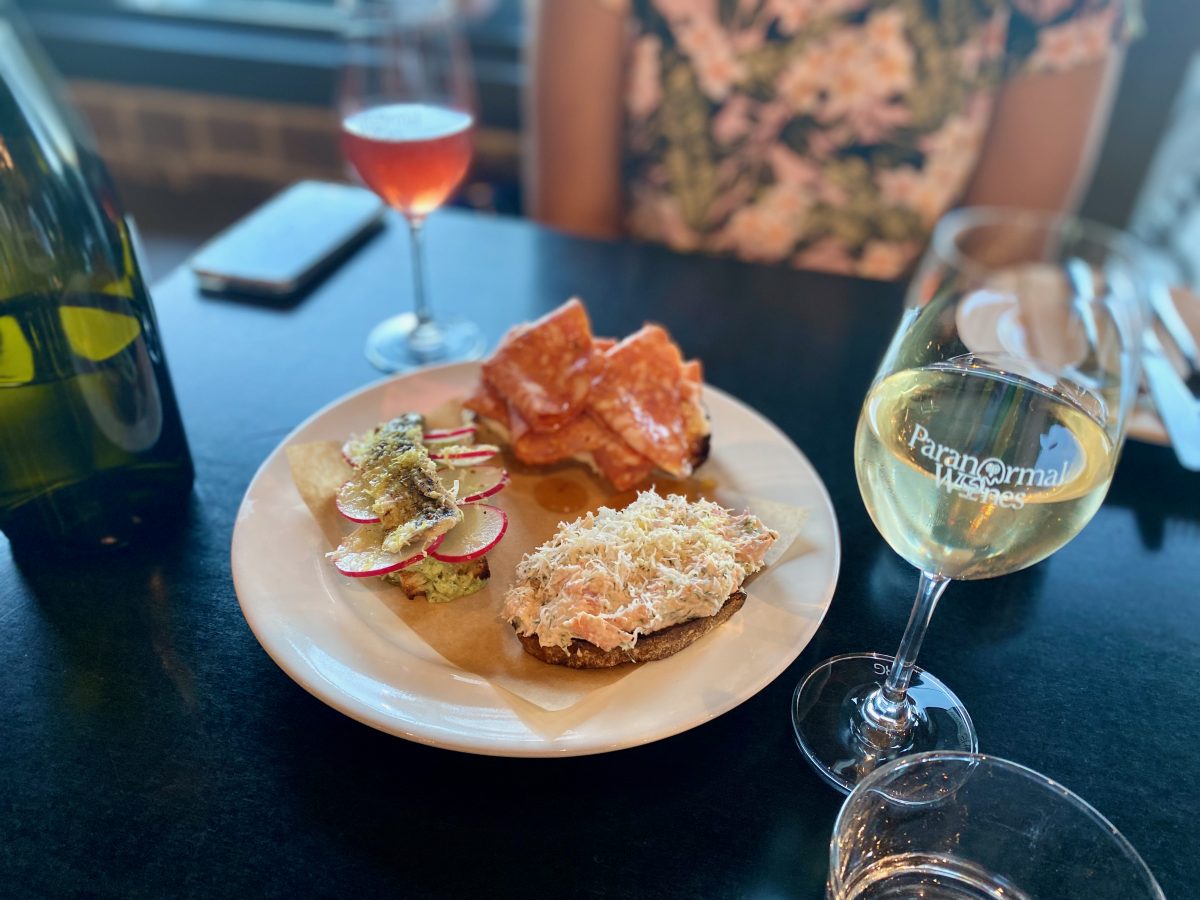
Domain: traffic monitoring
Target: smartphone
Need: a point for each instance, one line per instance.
(286, 244)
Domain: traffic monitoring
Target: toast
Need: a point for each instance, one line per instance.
(634, 584)
(417, 586)
(649, 647)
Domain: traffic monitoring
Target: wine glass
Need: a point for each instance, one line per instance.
(407, 107)
(952, 826)
(986, 442)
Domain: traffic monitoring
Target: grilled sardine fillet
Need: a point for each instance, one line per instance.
(409, 498)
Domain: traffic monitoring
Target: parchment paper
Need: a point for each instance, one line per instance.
(468, 632)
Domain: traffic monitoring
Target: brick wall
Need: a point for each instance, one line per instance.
(185, 142)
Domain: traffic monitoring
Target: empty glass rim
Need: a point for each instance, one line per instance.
(964, 218)
(936, 756)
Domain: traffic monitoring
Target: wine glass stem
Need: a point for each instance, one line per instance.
(425, 340)
(887, 711)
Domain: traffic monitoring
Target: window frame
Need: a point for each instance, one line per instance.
(103, 40)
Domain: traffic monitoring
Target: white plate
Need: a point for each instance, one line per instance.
(346, 648)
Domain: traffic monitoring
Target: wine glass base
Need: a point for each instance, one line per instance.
(398, 345)
(828, 704)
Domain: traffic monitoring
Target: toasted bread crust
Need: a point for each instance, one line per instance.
(649, 647)
(700, 449)
(412, 586)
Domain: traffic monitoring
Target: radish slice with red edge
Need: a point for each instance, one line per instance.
(361, 553)
(354, 503)
(464, 434)
(476, 483)
(480, 530)
(357, 445)
(464, 456)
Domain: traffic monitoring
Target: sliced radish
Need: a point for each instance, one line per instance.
(475, 482)
(459, 455)
(361, 553)
(480, 530)
(357, 445)
(464, 434)
(354, 503)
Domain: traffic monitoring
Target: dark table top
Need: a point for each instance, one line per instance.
(149, 746)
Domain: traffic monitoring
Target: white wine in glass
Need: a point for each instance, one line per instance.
(986, 442)
(971, 471)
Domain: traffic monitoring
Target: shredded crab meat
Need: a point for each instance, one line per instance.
(613, 575)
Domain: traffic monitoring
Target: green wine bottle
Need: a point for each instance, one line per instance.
(92, 449)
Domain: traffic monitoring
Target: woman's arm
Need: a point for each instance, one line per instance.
(1045, 136)
(573, 174)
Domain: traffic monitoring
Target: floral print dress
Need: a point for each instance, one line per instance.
(829, 134)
